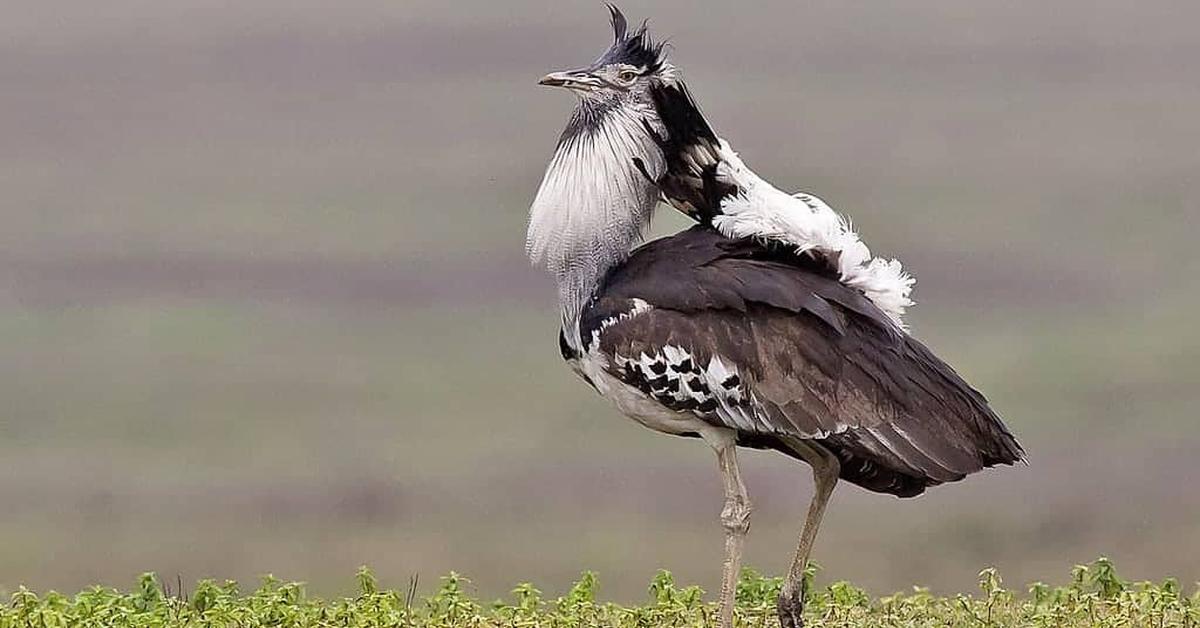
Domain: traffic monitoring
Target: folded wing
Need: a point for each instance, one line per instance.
(771, 344)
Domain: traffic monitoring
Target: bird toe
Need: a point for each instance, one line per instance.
(791, 609)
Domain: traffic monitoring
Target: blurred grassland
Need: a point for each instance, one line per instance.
(264, 307)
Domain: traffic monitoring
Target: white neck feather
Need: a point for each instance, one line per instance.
(761, 210)
(593, 204)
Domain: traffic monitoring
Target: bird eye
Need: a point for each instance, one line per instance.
(627, 75)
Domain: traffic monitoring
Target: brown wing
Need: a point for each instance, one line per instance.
(799, 355)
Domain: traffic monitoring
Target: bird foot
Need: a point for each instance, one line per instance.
(790, 608)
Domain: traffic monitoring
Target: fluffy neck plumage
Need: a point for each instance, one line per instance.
(594, 203)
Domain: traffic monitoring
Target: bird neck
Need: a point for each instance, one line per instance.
(594, 202)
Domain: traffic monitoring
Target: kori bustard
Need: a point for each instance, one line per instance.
(767, 325)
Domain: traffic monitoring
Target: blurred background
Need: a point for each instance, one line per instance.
(264, 305)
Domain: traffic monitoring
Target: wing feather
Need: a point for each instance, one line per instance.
(812, 357)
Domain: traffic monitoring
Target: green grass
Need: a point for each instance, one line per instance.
(1095, 597)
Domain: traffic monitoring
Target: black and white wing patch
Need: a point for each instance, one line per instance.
(682, 382)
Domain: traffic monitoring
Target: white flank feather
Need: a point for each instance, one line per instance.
(761, 210)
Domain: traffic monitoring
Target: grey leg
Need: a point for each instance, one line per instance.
(825, 476)
(735, 518)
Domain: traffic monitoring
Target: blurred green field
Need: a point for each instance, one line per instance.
(264, 306)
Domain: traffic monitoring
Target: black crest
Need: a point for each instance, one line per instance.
(636, 48)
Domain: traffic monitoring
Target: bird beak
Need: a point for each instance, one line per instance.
(580, 80)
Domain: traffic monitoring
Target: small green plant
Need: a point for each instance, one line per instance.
(1095, 597)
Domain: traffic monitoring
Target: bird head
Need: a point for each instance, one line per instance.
(626, 70)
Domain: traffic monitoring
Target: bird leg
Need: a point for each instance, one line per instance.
(735, 518)
(826, 469)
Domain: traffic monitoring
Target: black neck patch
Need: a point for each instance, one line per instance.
(689, 143)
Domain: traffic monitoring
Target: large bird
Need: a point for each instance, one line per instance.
(767, 325)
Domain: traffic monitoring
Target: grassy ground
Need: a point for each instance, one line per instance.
(1095, 597)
